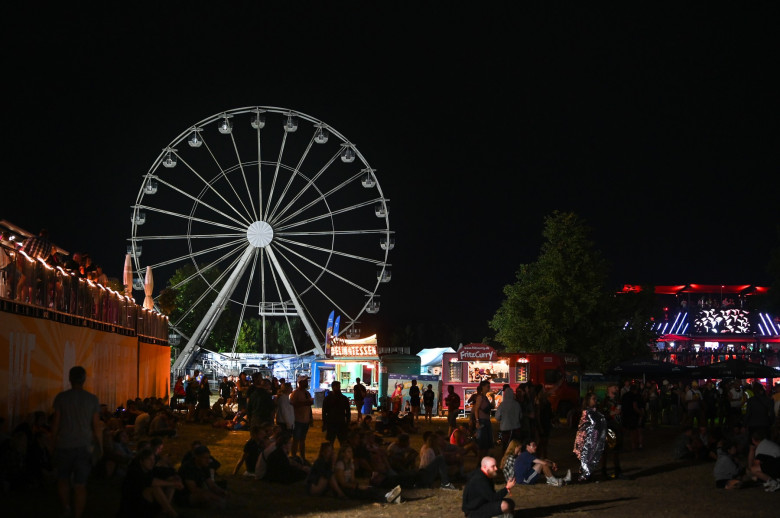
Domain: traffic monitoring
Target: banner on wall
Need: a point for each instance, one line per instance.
(36, 355)
(405, 380)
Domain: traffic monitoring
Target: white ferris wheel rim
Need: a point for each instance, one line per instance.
(260, 231)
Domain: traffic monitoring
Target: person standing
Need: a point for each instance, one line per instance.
(480, 498)
(453, 407)
(414, 400)
(482, 409)
(428, 398)
(590, 439)
(359, 395)
(76, 430)
(611, 410)
(335, 415)
(301, 402)
(508, 416)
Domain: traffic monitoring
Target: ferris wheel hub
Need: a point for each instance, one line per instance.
(260, 234)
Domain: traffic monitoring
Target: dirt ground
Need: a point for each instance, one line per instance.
(658, 486)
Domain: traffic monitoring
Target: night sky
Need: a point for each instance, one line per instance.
(657, 126)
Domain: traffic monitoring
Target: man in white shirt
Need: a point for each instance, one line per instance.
(764, 460)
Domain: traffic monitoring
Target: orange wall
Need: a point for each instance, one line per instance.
(36, 355)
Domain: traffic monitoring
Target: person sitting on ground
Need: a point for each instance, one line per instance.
(344, 474)
(199, 488)
(528, 467)
(280, 468)
(143, 493)
(252, 450)
(401, 455)
(513, 450)
(321, 476)
(163, 424)
(121, 455)
(366, 423)
(480, 499)
(686, 445)
(764, 460)
(433, 464)
(727, 471)
(462, 439)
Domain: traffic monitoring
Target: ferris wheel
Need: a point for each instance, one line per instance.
(277, 214)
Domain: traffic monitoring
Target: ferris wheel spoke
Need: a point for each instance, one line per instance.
(324, 269)
(314, 284)
(188, 236)
(209, 266)
(316, 200)
(243, 175)
(259, 175)
(331, 214)
(198, 253)
(331, 251)
(187, 217)
(225, 176)
(292, 177)
(309, 183)
(197, 200)
(335, 232)
(206, 291)
(243, 306)
(209, 185)
(276, 175)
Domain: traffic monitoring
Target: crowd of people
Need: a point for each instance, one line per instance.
(14, 281)
(368, 455)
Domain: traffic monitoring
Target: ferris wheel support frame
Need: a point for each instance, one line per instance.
(212, 315)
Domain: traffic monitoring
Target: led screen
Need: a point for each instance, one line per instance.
(719, 321)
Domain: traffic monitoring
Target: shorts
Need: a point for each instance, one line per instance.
(74, 461)
(300, 430)
(532, 477)
(770, 465)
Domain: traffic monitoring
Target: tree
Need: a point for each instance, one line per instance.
(557, 303)
(177, 298)
(278, 337)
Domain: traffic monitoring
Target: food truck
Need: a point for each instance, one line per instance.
(558, 373)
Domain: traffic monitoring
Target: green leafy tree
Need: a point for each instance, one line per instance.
(279, 340)
(557, 303)
(177, 299)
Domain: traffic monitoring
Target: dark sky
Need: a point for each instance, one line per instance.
(657, 126)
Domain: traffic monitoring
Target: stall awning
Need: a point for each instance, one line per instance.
(432, 357)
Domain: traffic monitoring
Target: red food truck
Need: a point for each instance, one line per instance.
(558, 373)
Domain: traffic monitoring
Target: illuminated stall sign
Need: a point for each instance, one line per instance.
(476, 353)
(354, 350)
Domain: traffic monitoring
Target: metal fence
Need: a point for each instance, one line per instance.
(31, 286)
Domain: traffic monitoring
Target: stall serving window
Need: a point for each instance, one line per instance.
(495, 372)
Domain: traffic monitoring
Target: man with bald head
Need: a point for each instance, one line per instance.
(480, 499)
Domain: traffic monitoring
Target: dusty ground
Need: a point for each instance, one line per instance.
(658, 487)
